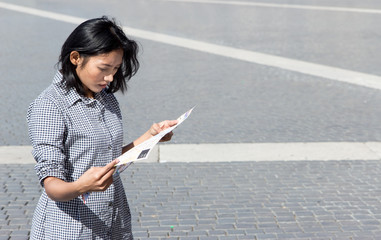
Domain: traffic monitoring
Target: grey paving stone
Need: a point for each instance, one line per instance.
(20, 233)
(189, 238)
(209, 238)
(265, 236)
(160, 234)
(229, 221)
(5, 232)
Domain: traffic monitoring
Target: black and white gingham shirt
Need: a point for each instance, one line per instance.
(71, 133)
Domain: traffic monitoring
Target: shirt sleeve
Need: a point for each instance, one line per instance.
(47, 131)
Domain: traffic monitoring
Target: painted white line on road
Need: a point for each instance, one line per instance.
(323, 151)
(16, 155)
(233, 152)
(337, 74)
(319, 70)
(42, 13)
(275, 5)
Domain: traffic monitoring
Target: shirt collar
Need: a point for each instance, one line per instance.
(71, 95)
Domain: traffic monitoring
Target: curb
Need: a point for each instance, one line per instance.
(234, 152)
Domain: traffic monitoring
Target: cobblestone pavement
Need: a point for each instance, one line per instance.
(243, 200)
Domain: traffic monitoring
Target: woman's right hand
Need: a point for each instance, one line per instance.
(97, 179)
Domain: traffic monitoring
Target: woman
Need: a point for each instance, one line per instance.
(75, 127)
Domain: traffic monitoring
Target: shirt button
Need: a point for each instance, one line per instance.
(109, 147)
(110, 204)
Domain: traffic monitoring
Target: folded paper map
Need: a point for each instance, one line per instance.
(142, 151)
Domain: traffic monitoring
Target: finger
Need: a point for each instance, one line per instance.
(155, 129)
(172, 123)
(167, 123)
(108, 167)
(112, 164)
(109, 180)
(104, 185)
(107, 176)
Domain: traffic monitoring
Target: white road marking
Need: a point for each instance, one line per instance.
(233, 152)
(42, 13)
(323, 151)
(291, 6)
(319, 70)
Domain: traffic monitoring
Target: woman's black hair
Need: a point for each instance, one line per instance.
(94, 37)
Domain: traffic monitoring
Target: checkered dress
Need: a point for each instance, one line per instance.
(70, 134)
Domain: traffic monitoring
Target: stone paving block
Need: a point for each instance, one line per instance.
(228, 238)
(3, 223)
(363, 238)
(224, 226)
(352, 228)
(20, 233)
(6, 228)
(188, 222)
(20, 221)
(5, 232)
(205, 227)
(176, 233)
(209, 238)
(285, 236)
(15, 212)
(217, 232)
(332, 229)
(168, 222)
(288, 230)
(254, 231)
(189, 238)
(200, 215)
(244, 225)
(25, 227)
(230, 221)
(235, 232)
(159, 234)
(265, 236)
(305, 235)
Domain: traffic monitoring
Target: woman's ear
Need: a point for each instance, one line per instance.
(75, 58)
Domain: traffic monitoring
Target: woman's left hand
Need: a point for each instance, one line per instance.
(158, 127)
(154, 130)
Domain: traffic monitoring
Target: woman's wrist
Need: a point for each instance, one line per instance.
(147, 135)
(77, 188)
(61, 191)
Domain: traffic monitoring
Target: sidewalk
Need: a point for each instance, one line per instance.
(234, 152)
(227, 200)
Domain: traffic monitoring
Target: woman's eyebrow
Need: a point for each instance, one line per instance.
(108, 65)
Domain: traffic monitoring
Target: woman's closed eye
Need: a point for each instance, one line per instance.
(108, 69)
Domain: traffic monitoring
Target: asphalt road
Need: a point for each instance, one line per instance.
(237, 101)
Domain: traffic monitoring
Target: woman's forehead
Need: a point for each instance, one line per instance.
(112, 58)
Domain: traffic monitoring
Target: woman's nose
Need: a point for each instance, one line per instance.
(109, 78)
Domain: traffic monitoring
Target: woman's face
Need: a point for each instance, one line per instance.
(97, 71)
